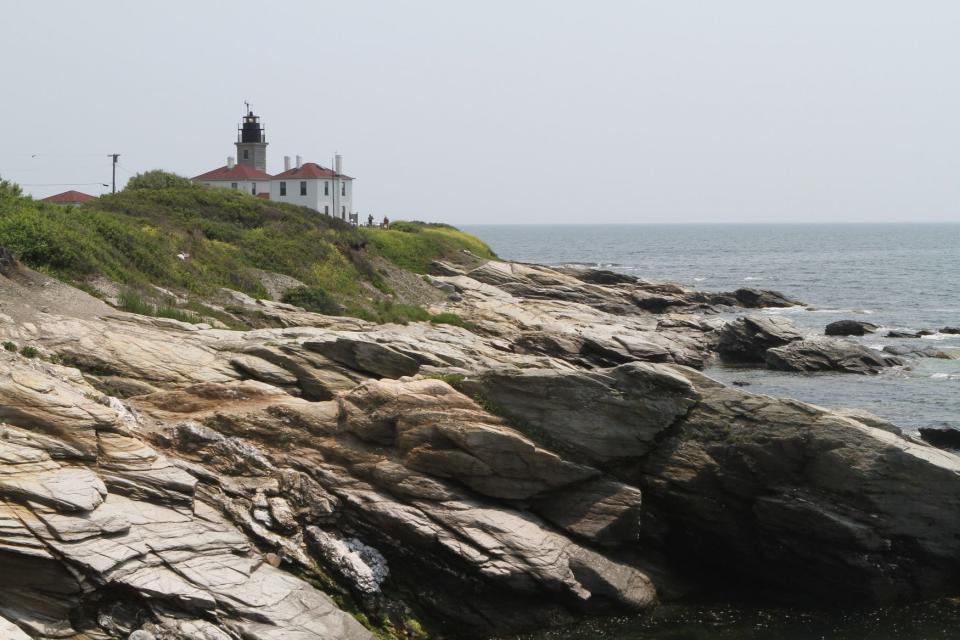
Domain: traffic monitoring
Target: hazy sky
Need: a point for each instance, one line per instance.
(509, 112)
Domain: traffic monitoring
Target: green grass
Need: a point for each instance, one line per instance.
(451, 318)
(414, 245)
(134, 237)
(134, 303)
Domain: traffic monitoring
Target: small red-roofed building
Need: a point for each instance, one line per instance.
(69, 198)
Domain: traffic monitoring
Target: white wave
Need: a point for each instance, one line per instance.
(942, 336)
(945, 376)
(748, 278)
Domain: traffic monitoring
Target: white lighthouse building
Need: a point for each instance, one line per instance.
(308, 184)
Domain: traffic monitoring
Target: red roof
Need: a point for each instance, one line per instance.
(310, 170)
(69, 197)
(238, 172)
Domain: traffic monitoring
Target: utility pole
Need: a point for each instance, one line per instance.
(114, 156)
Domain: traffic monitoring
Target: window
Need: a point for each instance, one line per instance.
(343, 188)
(283, 188)
(326, 209)
(246, 154)
(254, 189)
(326, 188)
(303, 187)
(233, 185)
(343, 212)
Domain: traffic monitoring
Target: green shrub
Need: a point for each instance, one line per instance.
(312, 299)
(9, 346)
(165, 230)
(158, 179)
(29, 352)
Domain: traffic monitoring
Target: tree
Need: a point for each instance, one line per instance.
(10, 190)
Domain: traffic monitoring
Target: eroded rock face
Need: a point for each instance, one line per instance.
(600, 416)
(826, 354)
(129, 521)
(793, 493)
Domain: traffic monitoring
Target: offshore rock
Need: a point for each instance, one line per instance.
(825, 354)
(850, 328)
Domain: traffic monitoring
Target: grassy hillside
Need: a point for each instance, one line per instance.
(166, 231)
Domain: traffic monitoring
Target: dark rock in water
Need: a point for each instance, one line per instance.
(747, 339)
(740, 383)
(603, 276)
(941, 437)
(926, 332)
(950, 330)
(905, 334)
(761, 298)
(850, 328)
(919, 352)
(821, 354)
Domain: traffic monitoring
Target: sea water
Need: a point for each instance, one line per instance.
(896, 276)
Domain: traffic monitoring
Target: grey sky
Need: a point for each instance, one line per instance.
(505, 112)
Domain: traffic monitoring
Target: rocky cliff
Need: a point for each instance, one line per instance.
(337, 479)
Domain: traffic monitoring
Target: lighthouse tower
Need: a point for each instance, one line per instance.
(251, 142)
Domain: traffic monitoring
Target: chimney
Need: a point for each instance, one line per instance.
(286, 163)
(338, 163)
(299, 161)
(230, 162)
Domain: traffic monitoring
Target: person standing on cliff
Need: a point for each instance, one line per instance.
(370, 220)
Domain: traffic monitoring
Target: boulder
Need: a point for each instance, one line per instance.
(747, 339)
(950, 330)
(896, 333)
(762, 298)
(920, 352)
(825, 354)
(850, 328)
(941, 437)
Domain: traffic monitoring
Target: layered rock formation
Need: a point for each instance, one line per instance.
(565, 458)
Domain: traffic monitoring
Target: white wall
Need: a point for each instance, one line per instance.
(316, 199)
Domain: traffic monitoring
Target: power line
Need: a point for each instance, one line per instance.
(62, 184)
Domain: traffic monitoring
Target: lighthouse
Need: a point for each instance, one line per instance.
(251, 142)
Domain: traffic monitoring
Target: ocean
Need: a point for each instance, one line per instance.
(898, 276)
